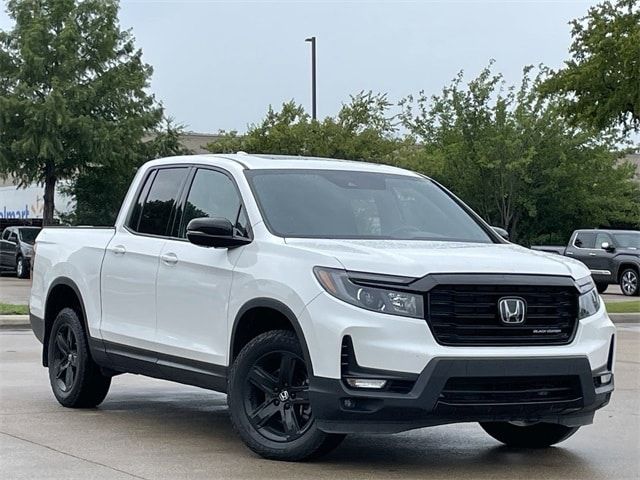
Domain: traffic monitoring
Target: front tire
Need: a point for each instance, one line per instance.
(268, 396)
(75, 379)
(629, 282)
(22, 268)
(538, 435)
(602, 287)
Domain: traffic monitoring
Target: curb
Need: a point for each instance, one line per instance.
(14, 321)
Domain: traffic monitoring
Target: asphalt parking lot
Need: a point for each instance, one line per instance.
(14, 290)
(151, 429)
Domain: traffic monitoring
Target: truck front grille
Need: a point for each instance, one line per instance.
(464, 315)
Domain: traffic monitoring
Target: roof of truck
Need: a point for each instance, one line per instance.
(265, 161)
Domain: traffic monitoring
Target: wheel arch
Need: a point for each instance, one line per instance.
(625, 265)
(244, 327)
(63, 292)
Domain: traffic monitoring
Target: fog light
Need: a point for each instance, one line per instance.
(366, 383)
(604, 379)
(349, 403)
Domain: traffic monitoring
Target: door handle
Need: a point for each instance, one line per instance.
(119, 250)
(169, 258)
(569, 253)
(591, 254)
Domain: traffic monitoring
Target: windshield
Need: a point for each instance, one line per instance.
(28, 235)
(627, 240)
(360, 205)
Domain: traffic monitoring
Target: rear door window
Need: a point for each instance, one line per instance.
(157, 209)
(585, 240)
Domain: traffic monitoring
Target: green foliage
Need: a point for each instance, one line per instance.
(362, 130)
(517, 162)
(100, 189)
(72, 92)
(505, 151)
(600, 84)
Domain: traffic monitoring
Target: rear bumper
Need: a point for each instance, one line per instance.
(339, 409)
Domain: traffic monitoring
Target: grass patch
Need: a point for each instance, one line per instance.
(632, 306)
(10, 309)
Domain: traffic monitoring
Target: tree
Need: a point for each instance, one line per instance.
(601, 82)
(99, 189)
(362, 130)
(516, 160)
(72, 92)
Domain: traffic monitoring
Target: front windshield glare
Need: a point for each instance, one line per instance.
(360, 205)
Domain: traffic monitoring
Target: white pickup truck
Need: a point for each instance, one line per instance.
(324, 297)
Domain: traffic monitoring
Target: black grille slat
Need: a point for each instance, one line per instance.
(475, 391)
(469, 315)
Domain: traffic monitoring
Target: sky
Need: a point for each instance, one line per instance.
(218, 65)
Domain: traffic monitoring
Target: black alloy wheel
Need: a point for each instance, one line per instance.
(76, 380)
(276, 396)
(65, 359)
(269, 400)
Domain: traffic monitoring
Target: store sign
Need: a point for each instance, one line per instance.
(28, 203)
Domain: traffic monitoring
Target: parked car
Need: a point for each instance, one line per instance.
(613, 257)
(16, 249)
(325, 298)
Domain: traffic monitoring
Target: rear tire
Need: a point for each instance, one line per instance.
(538, 435)
(602, 287)
(268, 396)
(629, 283)
(75, 379)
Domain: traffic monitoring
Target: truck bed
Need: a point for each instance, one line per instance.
(65, 253)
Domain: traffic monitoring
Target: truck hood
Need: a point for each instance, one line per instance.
(417, 258)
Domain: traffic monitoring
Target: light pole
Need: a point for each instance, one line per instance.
(313, 76)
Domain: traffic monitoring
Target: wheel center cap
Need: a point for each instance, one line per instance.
(70, 357)
(283, 396)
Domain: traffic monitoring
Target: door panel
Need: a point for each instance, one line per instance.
(192, 296)
(194, 282)
(132, 258)
(583, 248)
(129, 289)
(602, 260)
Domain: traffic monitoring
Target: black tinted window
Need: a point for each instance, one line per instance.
(28, 235)
(585, 240)
(213, 194)
(347, 204)
(160, 200)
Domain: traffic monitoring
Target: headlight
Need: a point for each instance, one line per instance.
(337, 283)
(588, 304)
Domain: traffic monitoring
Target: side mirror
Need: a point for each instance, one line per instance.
(606, 246)
(213, 232)
(502, 232)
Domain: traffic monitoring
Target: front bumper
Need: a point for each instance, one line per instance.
(402, 344)
(527, 395)
(385, 345)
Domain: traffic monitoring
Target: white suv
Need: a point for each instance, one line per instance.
(324, 297)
